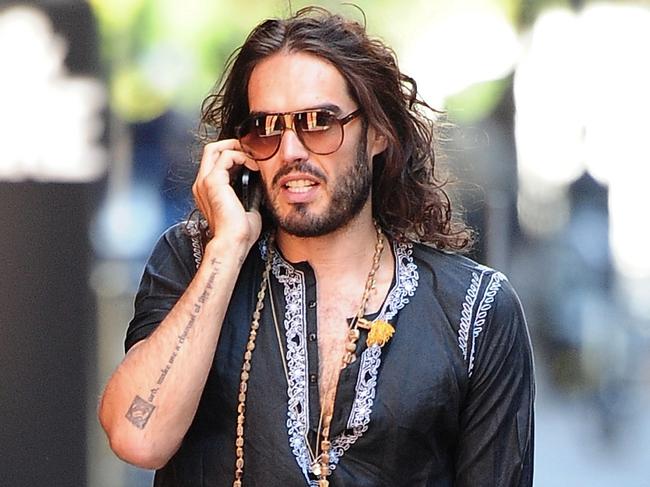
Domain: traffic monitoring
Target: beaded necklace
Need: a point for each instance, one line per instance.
(320, 458)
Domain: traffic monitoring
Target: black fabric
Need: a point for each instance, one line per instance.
(433, 423)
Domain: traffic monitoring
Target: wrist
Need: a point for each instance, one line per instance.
(233, 250)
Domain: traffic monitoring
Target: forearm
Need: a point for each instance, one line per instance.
(151, 399)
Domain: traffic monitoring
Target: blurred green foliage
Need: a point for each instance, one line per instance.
(168, 54)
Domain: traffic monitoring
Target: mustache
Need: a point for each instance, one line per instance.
(300, 166)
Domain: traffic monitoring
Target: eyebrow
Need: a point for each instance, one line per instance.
(325, 106)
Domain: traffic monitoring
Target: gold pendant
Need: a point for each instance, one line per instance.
(380, 333)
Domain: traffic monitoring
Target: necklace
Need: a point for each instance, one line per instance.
(322, 468)
(245, 372)
(359, 321)
(321, 457)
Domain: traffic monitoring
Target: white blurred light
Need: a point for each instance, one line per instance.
(629, 231)
(616, 91)
(582, 97)
(50, 122)
(548, 120)
(461, 49)
(168, 66)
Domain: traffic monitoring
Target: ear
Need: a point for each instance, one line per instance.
(377, 142)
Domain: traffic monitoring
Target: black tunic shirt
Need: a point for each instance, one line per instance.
(448, 401)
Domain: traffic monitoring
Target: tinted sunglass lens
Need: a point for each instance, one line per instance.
(319, 131)
(260, 137)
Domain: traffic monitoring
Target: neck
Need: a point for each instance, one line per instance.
(341, 249)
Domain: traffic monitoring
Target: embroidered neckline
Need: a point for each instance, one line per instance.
(295, 326)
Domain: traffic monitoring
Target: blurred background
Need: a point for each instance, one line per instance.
(550, 99)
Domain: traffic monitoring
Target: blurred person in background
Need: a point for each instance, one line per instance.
(334, 336)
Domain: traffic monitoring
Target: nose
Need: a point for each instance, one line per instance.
(291, 148)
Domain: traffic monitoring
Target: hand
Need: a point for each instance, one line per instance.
(215, 197)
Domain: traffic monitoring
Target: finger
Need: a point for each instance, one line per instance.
(230, 158)
(211, 153)
(222, 145)
(228, 164)
(212, 184)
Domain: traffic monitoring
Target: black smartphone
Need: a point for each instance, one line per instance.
(247, 187)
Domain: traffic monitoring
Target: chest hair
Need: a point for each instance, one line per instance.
(333, 325)
(338, 301)
(332, 337)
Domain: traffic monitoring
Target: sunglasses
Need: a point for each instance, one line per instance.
(319, 130)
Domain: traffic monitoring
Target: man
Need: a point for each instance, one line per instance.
(334, 347)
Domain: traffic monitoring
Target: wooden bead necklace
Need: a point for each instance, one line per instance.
(320, 458)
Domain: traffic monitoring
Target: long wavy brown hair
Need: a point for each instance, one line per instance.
(408, 199)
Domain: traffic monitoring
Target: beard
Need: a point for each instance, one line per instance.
(350, 194)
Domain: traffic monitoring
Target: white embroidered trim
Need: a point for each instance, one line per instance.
(406, 282)
(473, 317)
(362, 405)
(466, 313)
(295, 327)
(484, 306)
(293, 281)
(366, 382)
(192, 229)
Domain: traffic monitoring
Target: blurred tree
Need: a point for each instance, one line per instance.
(166, 54)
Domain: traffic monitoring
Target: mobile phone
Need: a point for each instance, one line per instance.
(247, 187)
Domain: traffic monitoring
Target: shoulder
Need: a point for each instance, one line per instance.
(456, 283)
(181, 241)
(453, 274)
(480, 303)
(175, 255)
(181, 234)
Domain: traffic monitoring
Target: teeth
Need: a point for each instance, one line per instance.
(299, 185)
(299, 182)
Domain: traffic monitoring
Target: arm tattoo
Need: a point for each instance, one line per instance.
(141, 410)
